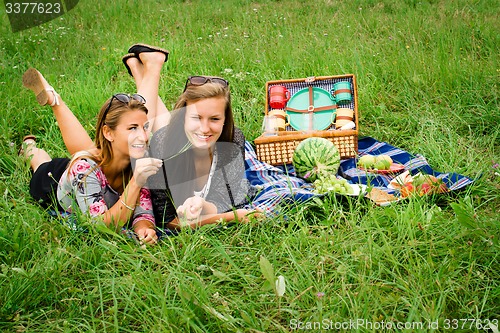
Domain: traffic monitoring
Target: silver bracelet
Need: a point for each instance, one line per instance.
(126, 206)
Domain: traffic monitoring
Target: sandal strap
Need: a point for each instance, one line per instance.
(56, 96)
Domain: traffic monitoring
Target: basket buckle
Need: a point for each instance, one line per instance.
(310, 79)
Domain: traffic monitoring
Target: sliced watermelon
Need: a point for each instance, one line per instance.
(315, 158)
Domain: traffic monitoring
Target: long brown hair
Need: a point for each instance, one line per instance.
(109, 115)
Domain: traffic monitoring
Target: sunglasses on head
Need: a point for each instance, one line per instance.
(124, 98)
(201, 80)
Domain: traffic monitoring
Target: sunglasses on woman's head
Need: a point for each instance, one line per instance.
(124, 98)
(201, 80)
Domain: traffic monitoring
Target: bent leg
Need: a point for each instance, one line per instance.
(73, 133)
(146, 73)
(36, 155)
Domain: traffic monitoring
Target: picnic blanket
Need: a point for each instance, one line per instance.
(280, 184)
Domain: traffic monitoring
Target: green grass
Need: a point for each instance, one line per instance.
(428, 82)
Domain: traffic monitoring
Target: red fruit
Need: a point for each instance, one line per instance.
(407, 190)
(425, 188)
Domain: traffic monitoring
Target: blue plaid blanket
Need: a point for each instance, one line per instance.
(279, 185)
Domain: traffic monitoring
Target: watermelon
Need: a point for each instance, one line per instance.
(315, 158)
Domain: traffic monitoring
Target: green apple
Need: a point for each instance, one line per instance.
(367, 161)
(384, 158)
(382, 165)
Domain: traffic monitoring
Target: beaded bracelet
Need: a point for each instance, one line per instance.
(126, 206)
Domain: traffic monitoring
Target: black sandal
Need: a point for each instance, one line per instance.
(125, 58)
(136, 49)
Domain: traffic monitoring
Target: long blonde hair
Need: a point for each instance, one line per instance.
(194, 93)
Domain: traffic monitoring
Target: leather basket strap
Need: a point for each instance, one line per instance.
(314, 109)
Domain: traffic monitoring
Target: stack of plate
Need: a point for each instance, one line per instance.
(321, 120)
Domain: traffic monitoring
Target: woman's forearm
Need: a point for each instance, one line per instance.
(238, 215)
(121, 212)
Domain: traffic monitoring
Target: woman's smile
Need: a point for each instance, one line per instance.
(205, 121)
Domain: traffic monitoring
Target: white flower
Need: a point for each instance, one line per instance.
(280, 285)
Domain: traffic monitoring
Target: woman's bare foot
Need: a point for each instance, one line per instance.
(144, 63)
(45, 94)
(136, 69)
(152, 60)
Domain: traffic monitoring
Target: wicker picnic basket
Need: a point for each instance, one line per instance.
(278, 149)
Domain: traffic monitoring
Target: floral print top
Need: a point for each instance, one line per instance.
(86, 185)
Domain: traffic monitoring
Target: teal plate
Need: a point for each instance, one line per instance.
(321, 119)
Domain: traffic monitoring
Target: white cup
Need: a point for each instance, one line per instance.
(270, 125)
(349, 125)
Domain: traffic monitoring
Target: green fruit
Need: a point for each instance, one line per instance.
(315, 158)
(382, 165)
(385, 158)
(367, 161)
(331, 183)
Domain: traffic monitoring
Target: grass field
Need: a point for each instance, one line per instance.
(428, 82)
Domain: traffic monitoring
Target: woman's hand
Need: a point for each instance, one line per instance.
(193, 208)
(144, 168)
(190, 210)
(244, 215)
(146, 232)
